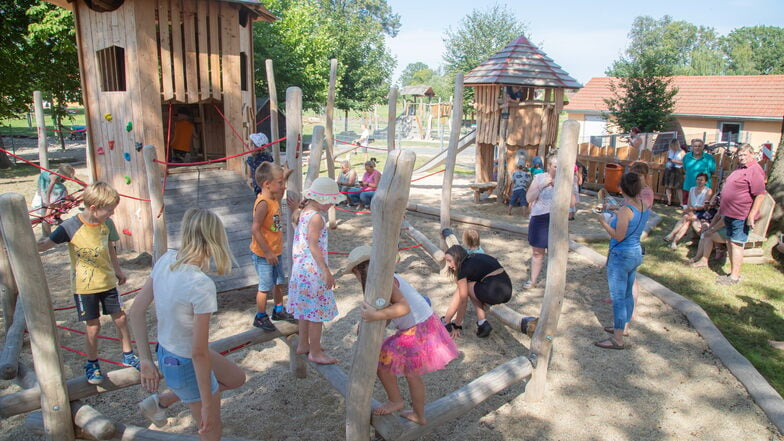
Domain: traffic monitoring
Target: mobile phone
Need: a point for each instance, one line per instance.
(170, 361)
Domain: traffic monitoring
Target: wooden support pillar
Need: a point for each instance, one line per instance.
(330, 133)
(451, 157)
(557, 255)
(273, 100)
(14, 339)
(297, 364)
(391, 118)
(294, 162)
(154, 186)
(388, 207)
(8, 291)
(314, 162)
(34, 294)
(43, 153)
(502, 168)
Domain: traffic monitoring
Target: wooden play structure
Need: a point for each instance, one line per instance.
(419, 112)
(519, 95)
(143, 61)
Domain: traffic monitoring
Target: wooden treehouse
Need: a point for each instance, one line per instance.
(144, 61)
(519, 95)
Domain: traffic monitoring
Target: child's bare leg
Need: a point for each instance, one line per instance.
(91, 338)
(214, 432)
(121, 321)
(417, 389)
(668, 193)
(395, 400)
(261, 301)
(277, 295)
(303, 347)
(317, 354)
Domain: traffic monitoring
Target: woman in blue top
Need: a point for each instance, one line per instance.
(624, 257)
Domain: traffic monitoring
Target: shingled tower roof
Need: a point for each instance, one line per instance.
(521, 63)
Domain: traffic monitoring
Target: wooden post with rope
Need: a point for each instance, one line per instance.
(557, 255)
(155, 189)
(27, 267)
(451, 156)
(273, 100)
(294, 162)
(43, 154)
(314, 162)
(330, 131)
(388, 207)
(391, 118)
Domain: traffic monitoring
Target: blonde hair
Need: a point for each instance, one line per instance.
(471, 238)
(204, 237)
(267, 172)
(65, 170)
(101, 195)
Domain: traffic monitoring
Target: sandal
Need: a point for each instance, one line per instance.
(611, 330)
(610, 343)
(528, 284)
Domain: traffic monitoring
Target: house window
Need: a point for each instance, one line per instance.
(730, 132)
(243, 71)
(111, 65)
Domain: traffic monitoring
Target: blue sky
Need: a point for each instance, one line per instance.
(584, 37)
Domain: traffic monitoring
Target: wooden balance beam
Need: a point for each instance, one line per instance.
(29, 400)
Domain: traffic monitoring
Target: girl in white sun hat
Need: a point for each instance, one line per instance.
(311, 300)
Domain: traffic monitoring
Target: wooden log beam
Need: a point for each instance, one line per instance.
(432, 249)
(34, 423)
(432, 211)
(557, 255)
(294, 162)
(25, 377)
(273, 99)
(388, 207)
(34, 294)
(316, 149)
(8, 291)
(78, 388)
(468, 397)
(297, 364)
(14, 340)
(330, 133)
(91, 422)
(451, 157)
(512, 319)
(391, 118)
(155, 188)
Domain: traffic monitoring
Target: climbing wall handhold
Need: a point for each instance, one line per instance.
(127, 232)
(111, 145)
(128, 180)
(138, 146)
(129, 126)
(107, 116)
(127, 156)
(100, 151)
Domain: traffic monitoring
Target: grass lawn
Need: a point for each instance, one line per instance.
(19, 126)
(748, 314)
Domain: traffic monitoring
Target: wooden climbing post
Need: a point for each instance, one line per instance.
(451, 156)
(273, 100)
(8, 292)
(330, 131)
(314, 162)
(502, 170)
(36, 300)
(391, 118)
(294, 161)
(155, 189)
(388, 207)
(558, 255)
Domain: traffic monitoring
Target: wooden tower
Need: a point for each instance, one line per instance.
(519, 94)
(141, 60)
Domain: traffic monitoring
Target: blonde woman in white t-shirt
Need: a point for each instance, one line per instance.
(185, 298)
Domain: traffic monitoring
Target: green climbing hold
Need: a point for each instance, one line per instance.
(128, 180)
(129, 126)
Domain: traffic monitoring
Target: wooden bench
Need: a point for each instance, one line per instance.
(752, 250)
(482, 187)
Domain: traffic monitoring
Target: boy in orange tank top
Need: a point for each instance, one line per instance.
(266, 245)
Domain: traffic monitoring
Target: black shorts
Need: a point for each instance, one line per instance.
(494, 290)
(87, 304)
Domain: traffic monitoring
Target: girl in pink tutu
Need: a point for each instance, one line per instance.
(420, 345)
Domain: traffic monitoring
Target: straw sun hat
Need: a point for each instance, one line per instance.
(324, 191)
(356, 256)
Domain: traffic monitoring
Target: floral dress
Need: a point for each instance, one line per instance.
(309, 299)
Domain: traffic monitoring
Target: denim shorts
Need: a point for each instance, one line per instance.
(269, 275)
(518, 198)
(737, 230)
(180, 376)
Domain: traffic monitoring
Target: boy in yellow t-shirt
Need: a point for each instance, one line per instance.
(266, 245)
(95, 271)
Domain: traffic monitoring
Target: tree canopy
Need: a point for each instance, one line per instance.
(310, 32)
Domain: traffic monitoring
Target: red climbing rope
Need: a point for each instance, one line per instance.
(231, 127)
(363, 146)
(224, 158)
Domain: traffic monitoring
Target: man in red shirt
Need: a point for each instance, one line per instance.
(741, 198)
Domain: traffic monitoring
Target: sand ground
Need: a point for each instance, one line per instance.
(666, 386)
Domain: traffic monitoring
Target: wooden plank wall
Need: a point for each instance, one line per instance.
(488, 114)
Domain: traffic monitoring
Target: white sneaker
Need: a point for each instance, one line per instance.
(150, 409)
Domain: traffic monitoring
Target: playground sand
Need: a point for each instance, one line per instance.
(666, 386)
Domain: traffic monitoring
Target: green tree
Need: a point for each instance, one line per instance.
(480, 34)
(644, 97)
(763, 45)
(407, 76)
(15, 95)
